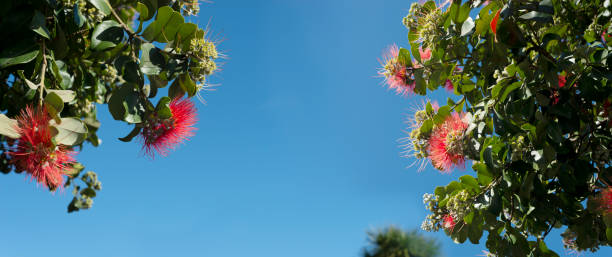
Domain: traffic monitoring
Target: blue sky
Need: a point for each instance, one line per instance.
(296, 152)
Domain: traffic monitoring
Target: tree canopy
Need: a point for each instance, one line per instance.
(394, 242)
(62, 59)
(530, 111)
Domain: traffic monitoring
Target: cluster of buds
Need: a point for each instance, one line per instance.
(108, 74)
(90, 12)
(205, 53)
(417, 143)
(190, 7)
(426, 21)
(441, 218)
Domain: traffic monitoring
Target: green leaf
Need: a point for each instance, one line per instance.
(18, 53)
(79, 19)
(609, 234)
(152, 60)
(135, 132)
(470, 182)
(484, 175)
(428, 108)
(475, 233)
(468, 218)
(165, 26)
(175, 90)
(186, 32)
(414, 49)
(163, 108)
(8, 127)
(106, 35)
(158, 82)
(453, 187)
(124, 104)
(187, 84)
(31, 84)
(404, 57)
(441, 115)
(143, 12)
(509, 89)
(102, 5)
(65, 95)
(54, 104)
(71, 131)
(440, 191)
(39, 26)
(152, 8)
(426, 127)
(463, 13)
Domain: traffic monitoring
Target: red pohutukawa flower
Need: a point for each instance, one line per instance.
(606, 200)
(562, 81)
(395, 72)
(446, 144)
(36, 153)
(163, 135)
(449, 85)
(448, 222)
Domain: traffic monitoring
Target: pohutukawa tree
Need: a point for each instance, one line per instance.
(530, 111)
(61, 59)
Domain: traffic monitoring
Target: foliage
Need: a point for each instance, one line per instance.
(394, 242)
(67, 57)
(533, 88)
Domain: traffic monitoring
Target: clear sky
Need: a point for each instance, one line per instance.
(296, 153)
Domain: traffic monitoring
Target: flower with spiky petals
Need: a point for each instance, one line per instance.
(395, 73)
(425, 54)
(606, 200)
(449, 85)
(415, 144)
(448, 222)
(163, 135)
(446, 149)
(36, 153)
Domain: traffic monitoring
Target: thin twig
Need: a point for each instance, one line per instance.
(42, 73)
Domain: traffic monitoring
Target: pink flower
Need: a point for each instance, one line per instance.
(395, 73)
(36, 153)
(448, 222)
(446, 144)
(425, 54)
(163, 135)
(449, 85)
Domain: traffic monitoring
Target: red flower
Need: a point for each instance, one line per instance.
(449, 85)
(36, 153)
(425, 54)
(562, 81)
(606, 200)
(494, 22)
(555, 93)
(448, 222)
(162, 135)
(445, 144)
(395, 72)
